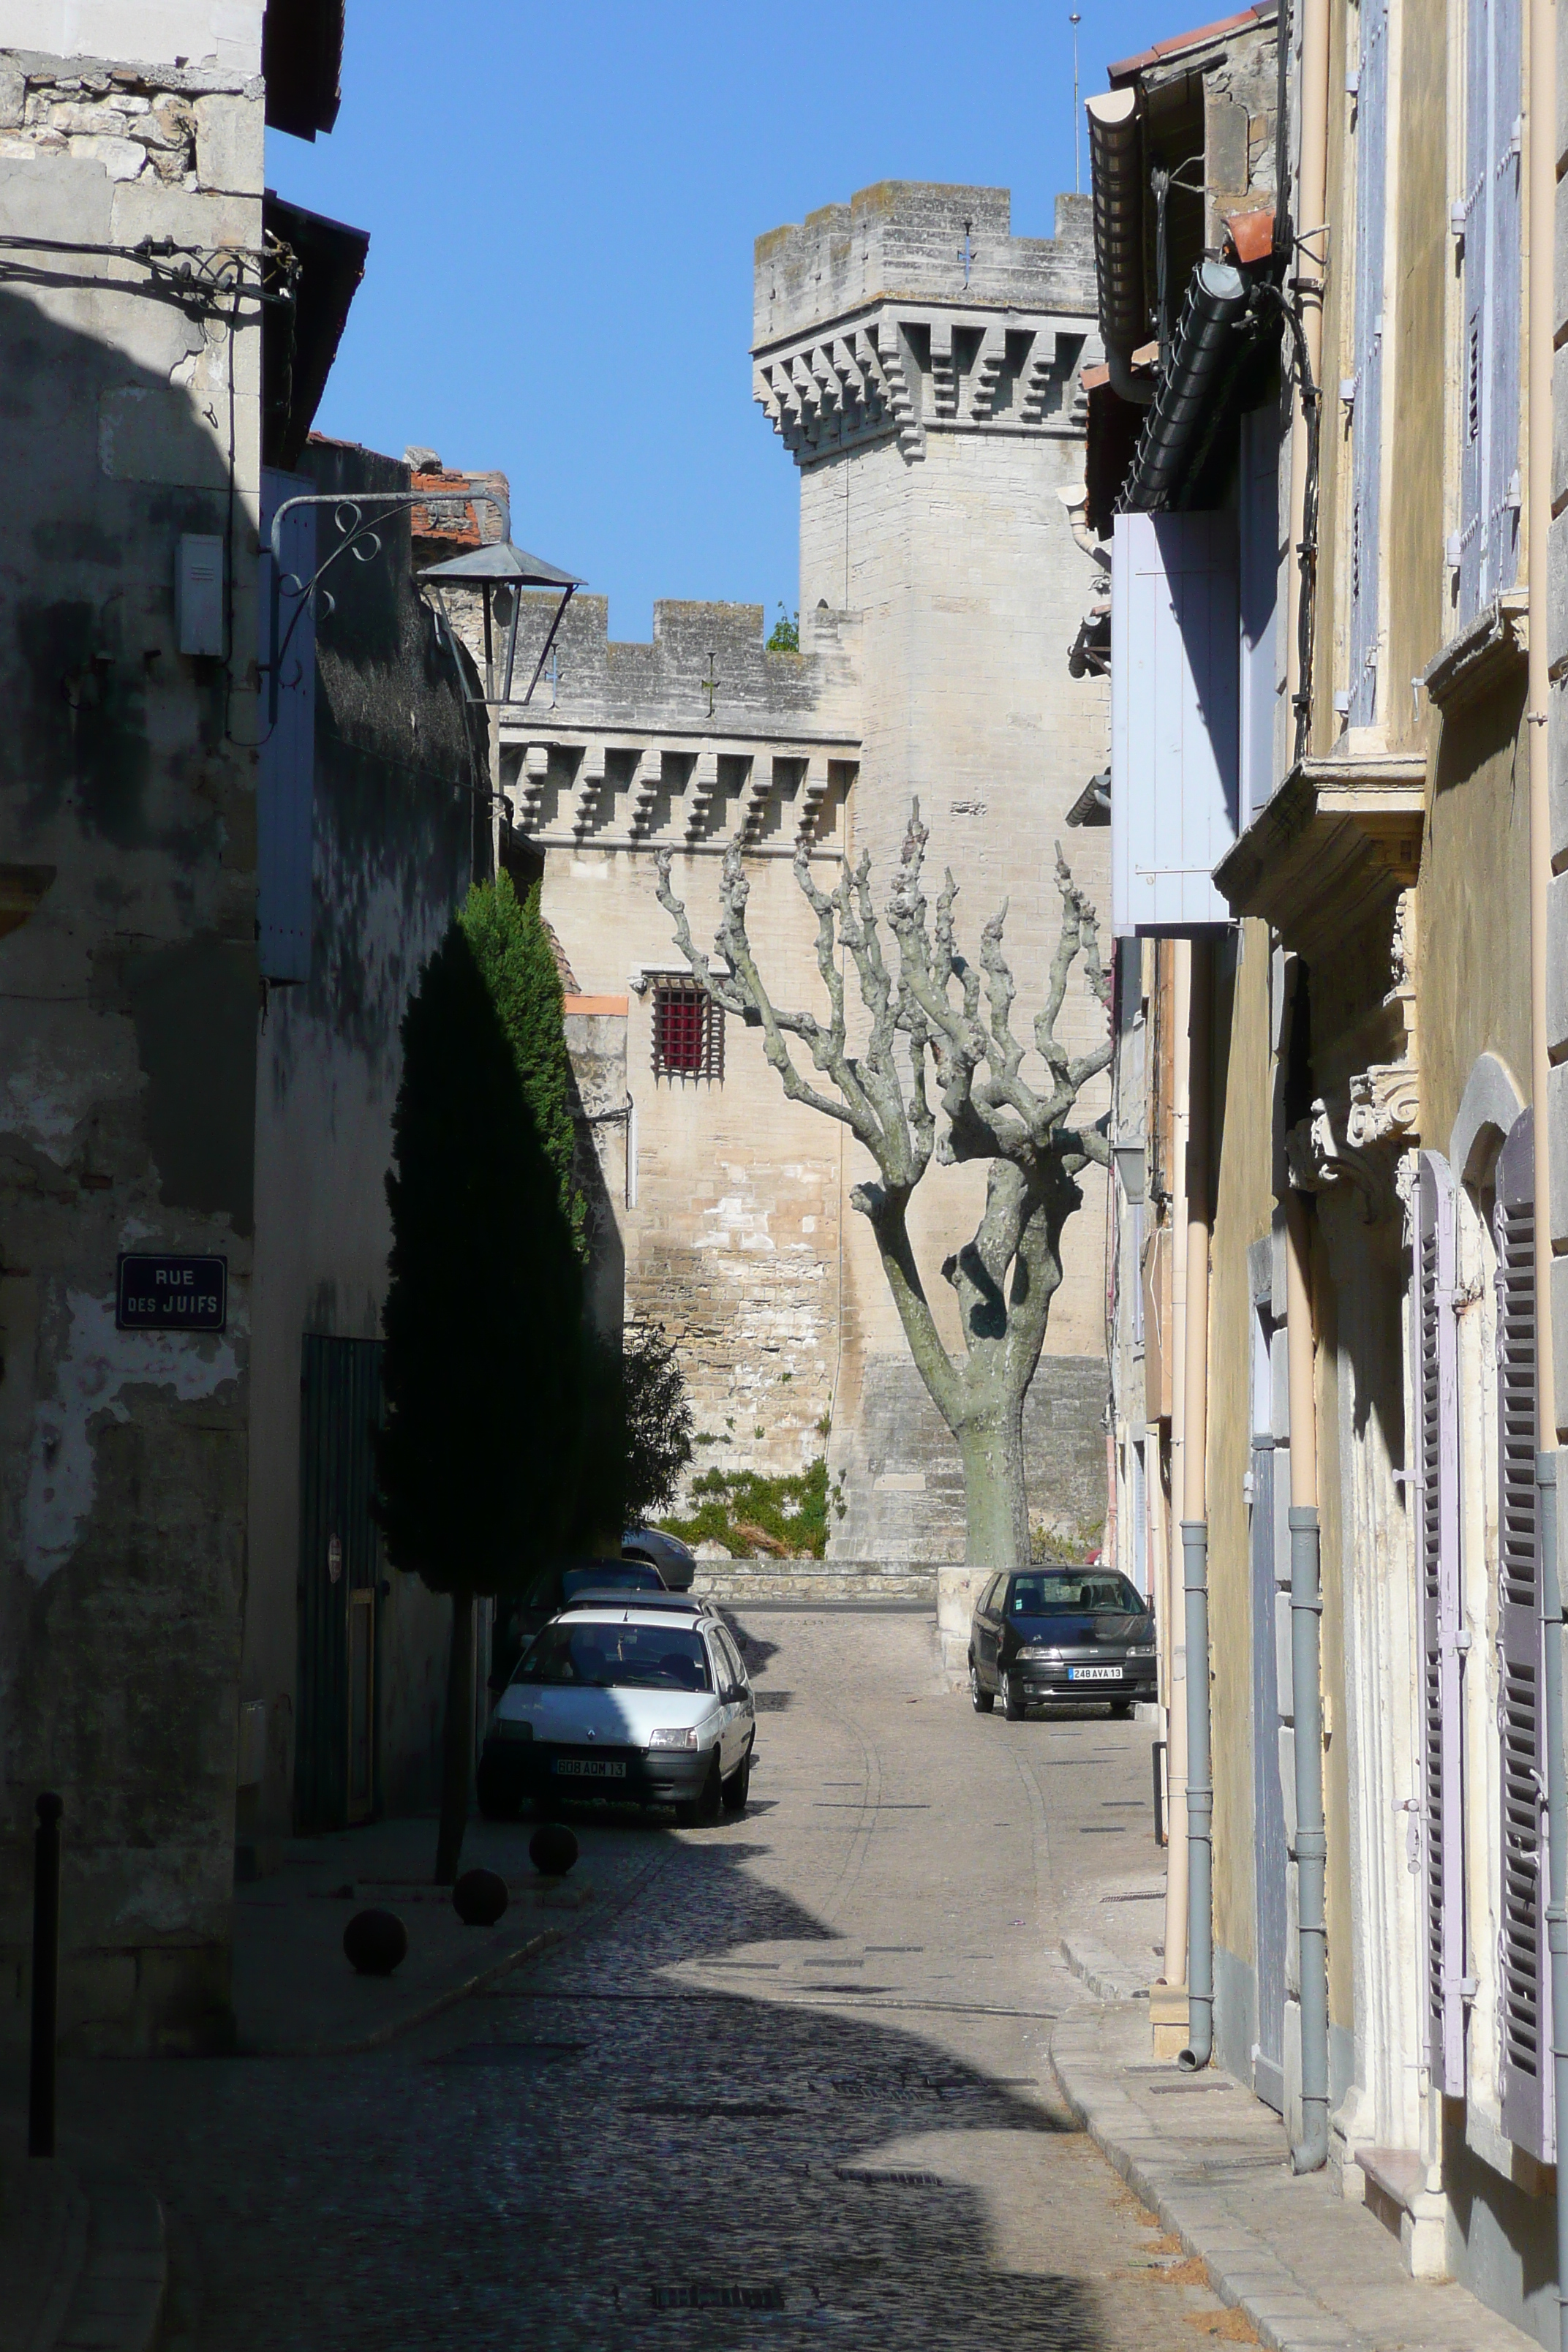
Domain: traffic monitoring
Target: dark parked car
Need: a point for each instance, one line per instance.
(1060, 1633)
(675, 1561)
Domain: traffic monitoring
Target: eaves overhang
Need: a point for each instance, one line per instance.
(1335, 845)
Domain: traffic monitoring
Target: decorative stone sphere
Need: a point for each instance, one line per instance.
(553, 1850)
(375, 1942)
(479, 1897)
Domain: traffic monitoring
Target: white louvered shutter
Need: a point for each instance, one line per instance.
(1371, 128)
(1522, 1968)
(1492, 225)
(285, 763)
(1435, 1362)
(1174, 729)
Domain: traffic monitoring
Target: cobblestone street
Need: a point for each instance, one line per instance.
(796, 2091)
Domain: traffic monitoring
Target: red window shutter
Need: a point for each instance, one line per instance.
(1526, 2037)
(1435, 1359)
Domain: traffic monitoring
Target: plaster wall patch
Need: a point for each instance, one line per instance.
(97, 1364)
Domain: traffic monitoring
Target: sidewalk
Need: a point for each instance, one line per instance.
(1308, 2271)
(295, 1994)
(83, 2260)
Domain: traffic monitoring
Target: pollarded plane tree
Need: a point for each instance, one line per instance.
(940, 1075)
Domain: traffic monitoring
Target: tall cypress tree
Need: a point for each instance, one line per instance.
(512, 950)
(477, 1463)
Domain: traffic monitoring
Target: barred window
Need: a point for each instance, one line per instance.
(688, 1034)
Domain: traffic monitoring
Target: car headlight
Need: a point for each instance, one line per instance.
(683, 1738)
(1036, 1650)
(1141, 1650)
(507, 1726)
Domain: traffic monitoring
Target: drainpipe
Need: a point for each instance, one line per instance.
(1311, 2151)
(1172, 1600)
(1307, 263)
(1541, 104)
(1194, 1527)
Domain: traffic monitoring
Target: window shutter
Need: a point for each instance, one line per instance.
(1434, 1361)
(1506, 237)
(286, 764)
(1366, 419)
(1175, 741)
(1260, 592)
(1492, 223)
(1523, 1969)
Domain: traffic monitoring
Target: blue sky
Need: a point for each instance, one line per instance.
(562, 203)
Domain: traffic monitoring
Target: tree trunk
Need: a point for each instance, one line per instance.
(457, 1744)
(996, 1498)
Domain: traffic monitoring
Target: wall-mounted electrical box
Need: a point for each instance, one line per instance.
(198, 594)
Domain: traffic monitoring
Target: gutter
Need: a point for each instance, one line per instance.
(1116, 175)
(1201, 356)
(1541, 103)
(1194, 1524)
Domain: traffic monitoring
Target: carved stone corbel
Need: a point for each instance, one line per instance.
(1320, 1160)
(1385, 1105)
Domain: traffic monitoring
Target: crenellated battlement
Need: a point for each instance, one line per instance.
(914, 308)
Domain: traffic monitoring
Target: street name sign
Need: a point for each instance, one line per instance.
(171, 1293)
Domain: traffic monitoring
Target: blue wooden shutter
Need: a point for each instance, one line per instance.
(1372, 131)
(1175, 738)
(1506, 237)
(1260, 592)
(1523, 1978)
(1435, 1364)
(1492, 226)
(286, 769)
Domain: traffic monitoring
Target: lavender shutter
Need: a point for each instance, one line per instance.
(1366, 419)
(1434, 1361)
(1506, 234)
(1522, 1969)
(285, 763)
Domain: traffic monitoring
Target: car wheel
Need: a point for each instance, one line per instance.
(500, 1798)
(983, 1701)
(738, 1786)
(1012, 1700)
(701, 1811)
(1121, 1708)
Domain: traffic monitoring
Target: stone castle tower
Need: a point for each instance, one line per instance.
(922, 366)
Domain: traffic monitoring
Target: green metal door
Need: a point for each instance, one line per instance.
(336, 1746)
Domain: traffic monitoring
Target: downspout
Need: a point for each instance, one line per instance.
(1311, 2152)
(1541, 104)
(1309, 257)
(1172, 1605)
(1195, 1526)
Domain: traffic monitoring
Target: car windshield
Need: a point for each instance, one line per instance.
(1073, 1591)
(617, 1657)
(610, 1576)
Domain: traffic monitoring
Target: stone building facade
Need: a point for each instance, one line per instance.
(923, 368)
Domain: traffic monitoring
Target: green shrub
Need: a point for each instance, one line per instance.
(748, 1513)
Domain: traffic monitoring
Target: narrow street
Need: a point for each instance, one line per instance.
(797, 2090)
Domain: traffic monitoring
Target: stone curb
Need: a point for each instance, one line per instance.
(1108, 1977)
(1242, 2270)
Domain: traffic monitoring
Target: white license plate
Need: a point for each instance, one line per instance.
(1094, 1674)
(582, 1768)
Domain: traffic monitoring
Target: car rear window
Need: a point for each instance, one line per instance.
(1074, 1590)
(617, 1657)
(611, 1576)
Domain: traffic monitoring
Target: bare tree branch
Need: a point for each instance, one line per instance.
(957, 1015)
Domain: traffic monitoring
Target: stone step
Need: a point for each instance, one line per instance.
(819, 1584)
